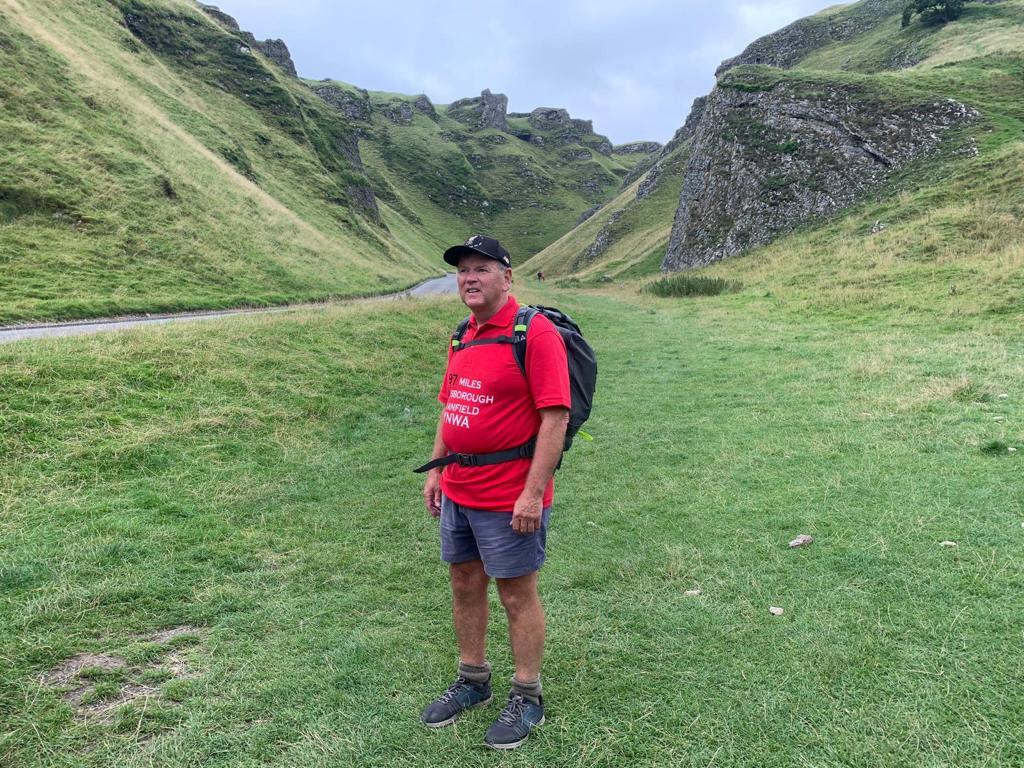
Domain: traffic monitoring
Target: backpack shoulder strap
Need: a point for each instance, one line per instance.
(459, 332)
(519, 330)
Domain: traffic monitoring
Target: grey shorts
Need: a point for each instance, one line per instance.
(478, 534)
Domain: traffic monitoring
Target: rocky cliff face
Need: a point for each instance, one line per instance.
(770, 152)
(562, 129)
(275, 50)
(353, 103)
(637, 147)
(486, 111)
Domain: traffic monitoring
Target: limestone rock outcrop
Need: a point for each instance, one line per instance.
(488, 110)
(771, 152)
(353, 103)
(425, 105)
(560, 128)
(636, 148)
(275, 50)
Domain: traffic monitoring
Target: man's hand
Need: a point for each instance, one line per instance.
(526, 514)
(432, 492)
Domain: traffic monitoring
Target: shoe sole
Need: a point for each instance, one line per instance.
(453, 718)
(515, 744)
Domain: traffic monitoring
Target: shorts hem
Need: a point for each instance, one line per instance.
(463, 560)
(511, 576)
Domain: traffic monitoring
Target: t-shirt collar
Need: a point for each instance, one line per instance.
(501, 318)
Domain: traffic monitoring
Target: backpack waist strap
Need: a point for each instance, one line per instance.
(524, 451)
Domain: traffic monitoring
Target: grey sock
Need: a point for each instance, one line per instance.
(478, 674)
(529, 690)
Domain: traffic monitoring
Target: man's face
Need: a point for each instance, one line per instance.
(483, 285)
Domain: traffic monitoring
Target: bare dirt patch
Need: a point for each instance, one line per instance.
(175, 663)
(97, 685)
(68, 670)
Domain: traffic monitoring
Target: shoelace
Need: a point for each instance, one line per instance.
(453, 690)
(513, 710)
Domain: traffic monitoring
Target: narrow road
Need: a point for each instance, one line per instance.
(433, 287)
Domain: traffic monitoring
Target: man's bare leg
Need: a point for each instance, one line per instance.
(472, 688)
(469, 610)
(521, 599)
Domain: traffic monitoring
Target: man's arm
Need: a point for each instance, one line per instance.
(432, 485)
(529, 506)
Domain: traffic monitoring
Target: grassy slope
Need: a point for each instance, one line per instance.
(173, 169)
(254, 482)
(638, 237)
(977, 60)
(94, 124)
(453, 180)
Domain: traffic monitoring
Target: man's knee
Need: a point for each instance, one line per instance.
(519, 594)
(468, 578)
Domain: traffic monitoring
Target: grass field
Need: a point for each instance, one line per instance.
(245, 484)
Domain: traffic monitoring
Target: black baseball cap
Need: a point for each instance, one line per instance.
(482, 246)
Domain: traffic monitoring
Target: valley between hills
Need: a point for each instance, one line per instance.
(806, 308)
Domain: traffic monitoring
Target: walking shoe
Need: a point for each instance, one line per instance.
(461, 695)
(517, 719)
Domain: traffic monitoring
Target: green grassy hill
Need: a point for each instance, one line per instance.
(444, 174)
(155, 159)
(977, 60)
(184, 173)
(634, 226)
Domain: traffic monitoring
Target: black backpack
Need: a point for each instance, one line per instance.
(582, 381)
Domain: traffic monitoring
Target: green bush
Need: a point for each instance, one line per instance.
(688, 285)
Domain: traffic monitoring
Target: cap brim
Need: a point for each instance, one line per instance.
(453, 254)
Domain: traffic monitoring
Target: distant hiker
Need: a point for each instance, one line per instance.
(498, 442)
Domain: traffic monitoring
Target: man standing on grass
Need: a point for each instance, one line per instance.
(493, 497)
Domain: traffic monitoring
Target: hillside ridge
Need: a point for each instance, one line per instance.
(164, 159)
(830, 112)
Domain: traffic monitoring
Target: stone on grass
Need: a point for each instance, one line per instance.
(801, 541)
(774, 610)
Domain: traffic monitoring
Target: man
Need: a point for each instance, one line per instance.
(494, 517)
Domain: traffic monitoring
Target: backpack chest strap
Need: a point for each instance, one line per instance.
(524, 451)
(458, 344)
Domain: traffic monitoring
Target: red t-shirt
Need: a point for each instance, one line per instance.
(490, 406)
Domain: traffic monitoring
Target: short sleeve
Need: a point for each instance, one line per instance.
(546, 367)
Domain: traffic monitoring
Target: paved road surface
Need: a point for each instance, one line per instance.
(433, 287)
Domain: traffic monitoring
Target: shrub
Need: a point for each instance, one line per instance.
(690, 285)
(942, 10)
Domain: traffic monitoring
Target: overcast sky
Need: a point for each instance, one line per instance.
(631, 66)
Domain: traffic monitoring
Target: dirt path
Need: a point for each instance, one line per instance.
(433, 287)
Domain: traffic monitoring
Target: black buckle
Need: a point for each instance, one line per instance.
(467, 459)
